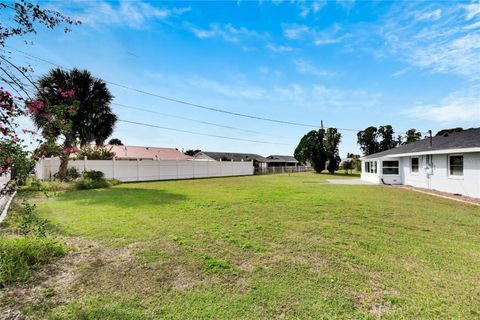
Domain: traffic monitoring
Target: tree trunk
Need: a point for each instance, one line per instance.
(62, 171)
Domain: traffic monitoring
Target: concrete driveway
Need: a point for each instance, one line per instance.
(349, 181)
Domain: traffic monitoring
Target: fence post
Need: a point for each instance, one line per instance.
(158, 169)
(176, 162)
(85, 167)
(113, 167)
(50, 171)
(138, 169)
(193, 170)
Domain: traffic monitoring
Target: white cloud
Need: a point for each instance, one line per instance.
(429, 15)
(441, 40)
(327, 98)
(307, 7)
(292, 92)
(295, 32)
(458, 106)
(264, 69)
(343, 99)
(346, 4)
(132, 14)
(472, 9)
(306, 67)
(279, 48)
(236, 90)
(227, 32)
(401, 72)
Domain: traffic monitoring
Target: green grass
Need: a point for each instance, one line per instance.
(19, 256)
(268, 247)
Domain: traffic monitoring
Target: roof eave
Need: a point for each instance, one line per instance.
(425, 152)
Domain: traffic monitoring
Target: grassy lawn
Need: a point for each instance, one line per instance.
(260, 247)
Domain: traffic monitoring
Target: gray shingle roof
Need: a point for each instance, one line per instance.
(458, 140)
(281, 158)
(234, 156)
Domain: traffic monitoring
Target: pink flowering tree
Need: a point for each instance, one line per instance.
(19, 18)
(56, 122)
(77, 113)
(14, 159)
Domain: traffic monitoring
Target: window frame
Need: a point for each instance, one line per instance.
(411, 165)
(455, 176)
(370, 167)
(391, 174)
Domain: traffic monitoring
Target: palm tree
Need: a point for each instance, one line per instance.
(93, 119)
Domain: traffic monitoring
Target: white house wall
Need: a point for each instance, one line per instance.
(468, 184)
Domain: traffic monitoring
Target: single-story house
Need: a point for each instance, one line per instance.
(448, 163)
(147, 153)
(231, 156)
(281, 161)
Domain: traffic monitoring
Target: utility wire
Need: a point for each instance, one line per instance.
(186, 102)
(193, 120)
(201, 134)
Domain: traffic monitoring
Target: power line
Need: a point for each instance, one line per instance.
(193, 120)
(187, 102)
(201, 134)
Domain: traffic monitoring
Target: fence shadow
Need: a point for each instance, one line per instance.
(123, 197)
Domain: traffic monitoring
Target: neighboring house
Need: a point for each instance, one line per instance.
(281, 161)
(147, 153)
(231, 156)
(449, 163)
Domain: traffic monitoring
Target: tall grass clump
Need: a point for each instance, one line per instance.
(20, 255)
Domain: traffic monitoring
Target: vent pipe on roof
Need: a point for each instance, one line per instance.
(430, 136)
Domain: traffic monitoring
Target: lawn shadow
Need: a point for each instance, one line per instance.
(122, 197)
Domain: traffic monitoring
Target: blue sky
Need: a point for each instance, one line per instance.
(351, 64)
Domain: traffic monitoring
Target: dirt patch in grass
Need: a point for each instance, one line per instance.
(88, 268)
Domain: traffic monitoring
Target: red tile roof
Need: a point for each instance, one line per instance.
(134, 152)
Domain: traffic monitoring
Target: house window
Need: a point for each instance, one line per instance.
(456, 165)
(390, 167)
(414, 165)
(371, 166)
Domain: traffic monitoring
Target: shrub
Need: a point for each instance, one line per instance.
(93, 175)
(95, 180)
(95, 153)
(30, 223)
(48, 186)
(19, 256)
(84, 184)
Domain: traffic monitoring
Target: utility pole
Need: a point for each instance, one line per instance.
(321, 124)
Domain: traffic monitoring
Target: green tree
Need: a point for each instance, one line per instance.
(385, 135)
(78, 110)
(348, 166)
(115, 142)
(191, 152)
(311, 150)
(412, 135)
(332, 140)
(367, 139)
(451, 130)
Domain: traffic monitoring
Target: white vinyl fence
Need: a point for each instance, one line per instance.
(4, 198)
(149, 170)
(282, 169)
